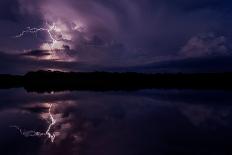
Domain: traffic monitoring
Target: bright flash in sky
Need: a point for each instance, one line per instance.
(59, 35)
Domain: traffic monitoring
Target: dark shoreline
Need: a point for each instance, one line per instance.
(47, 81)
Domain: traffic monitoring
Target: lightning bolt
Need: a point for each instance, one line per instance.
(32, 133)
(53, 122)
(48, 30)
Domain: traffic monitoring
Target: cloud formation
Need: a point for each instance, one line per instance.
(119, 33)
(206, 45)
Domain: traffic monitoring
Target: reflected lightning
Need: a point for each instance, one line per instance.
(53, 122)
(32, 133)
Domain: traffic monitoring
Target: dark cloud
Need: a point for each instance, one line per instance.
(19, 64)
(36, 53)
(211, 64)
(9, 10)
(120, 33)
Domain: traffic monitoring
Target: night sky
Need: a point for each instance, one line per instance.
(116, 35)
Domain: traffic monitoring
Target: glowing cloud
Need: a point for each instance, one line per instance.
(51, 31)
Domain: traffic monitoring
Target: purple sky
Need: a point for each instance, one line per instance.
(115, 35)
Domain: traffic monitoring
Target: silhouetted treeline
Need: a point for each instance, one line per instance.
(47, 81)
(11, 81)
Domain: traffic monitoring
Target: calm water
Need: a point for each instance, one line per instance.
(148, 122)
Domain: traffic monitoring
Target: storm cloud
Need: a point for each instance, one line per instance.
(119, 33)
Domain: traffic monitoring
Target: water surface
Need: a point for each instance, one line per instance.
(144, 122)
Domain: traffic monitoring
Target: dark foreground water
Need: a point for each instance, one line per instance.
(148, 122)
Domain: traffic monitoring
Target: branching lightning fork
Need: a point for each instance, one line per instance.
(36, 30)
(32, 133)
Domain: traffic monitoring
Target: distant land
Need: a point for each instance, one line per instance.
(48, 81)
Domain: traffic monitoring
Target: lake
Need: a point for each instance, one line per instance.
(145, 122)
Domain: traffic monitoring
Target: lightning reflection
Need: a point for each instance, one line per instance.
(32, 133)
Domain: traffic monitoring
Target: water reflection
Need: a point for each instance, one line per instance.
(34, 133)
(130, 123)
